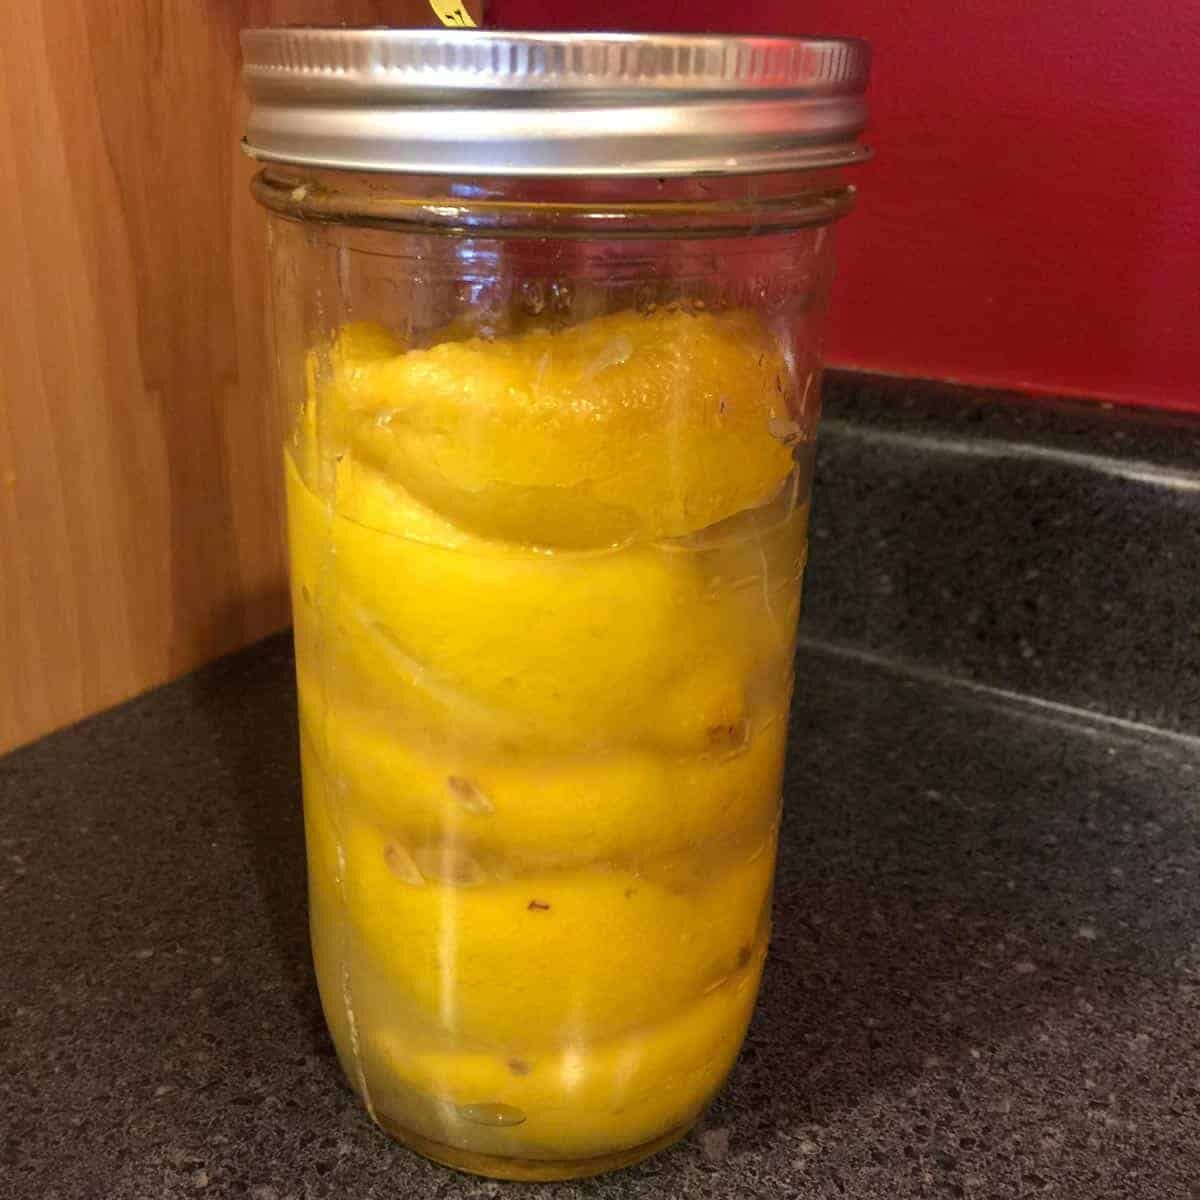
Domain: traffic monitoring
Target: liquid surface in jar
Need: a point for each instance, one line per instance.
(545, 593)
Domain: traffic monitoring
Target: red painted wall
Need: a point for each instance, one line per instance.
(1032, 219)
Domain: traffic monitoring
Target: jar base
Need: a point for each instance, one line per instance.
(528, 1170)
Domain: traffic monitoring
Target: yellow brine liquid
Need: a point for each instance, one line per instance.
(545, 593)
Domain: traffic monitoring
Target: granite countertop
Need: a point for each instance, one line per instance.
(984, 978)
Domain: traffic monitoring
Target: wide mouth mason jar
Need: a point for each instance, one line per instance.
(548, 314)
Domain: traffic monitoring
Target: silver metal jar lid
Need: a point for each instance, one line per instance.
(552, 104)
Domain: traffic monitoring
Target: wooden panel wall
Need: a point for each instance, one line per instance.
(139, 484)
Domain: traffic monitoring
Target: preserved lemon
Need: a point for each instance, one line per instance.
(626, 426)
(444, 631)
(583, 1099)
(545, 591)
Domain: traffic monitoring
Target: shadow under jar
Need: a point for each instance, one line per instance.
(548, 313)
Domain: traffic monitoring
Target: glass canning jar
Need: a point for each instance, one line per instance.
(548, 315)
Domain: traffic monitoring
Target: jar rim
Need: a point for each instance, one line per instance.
(518, 207)
(552, 105)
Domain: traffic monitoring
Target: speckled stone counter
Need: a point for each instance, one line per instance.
(1048, 548)
(984, 980)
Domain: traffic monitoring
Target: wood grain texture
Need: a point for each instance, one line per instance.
(140, 512)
